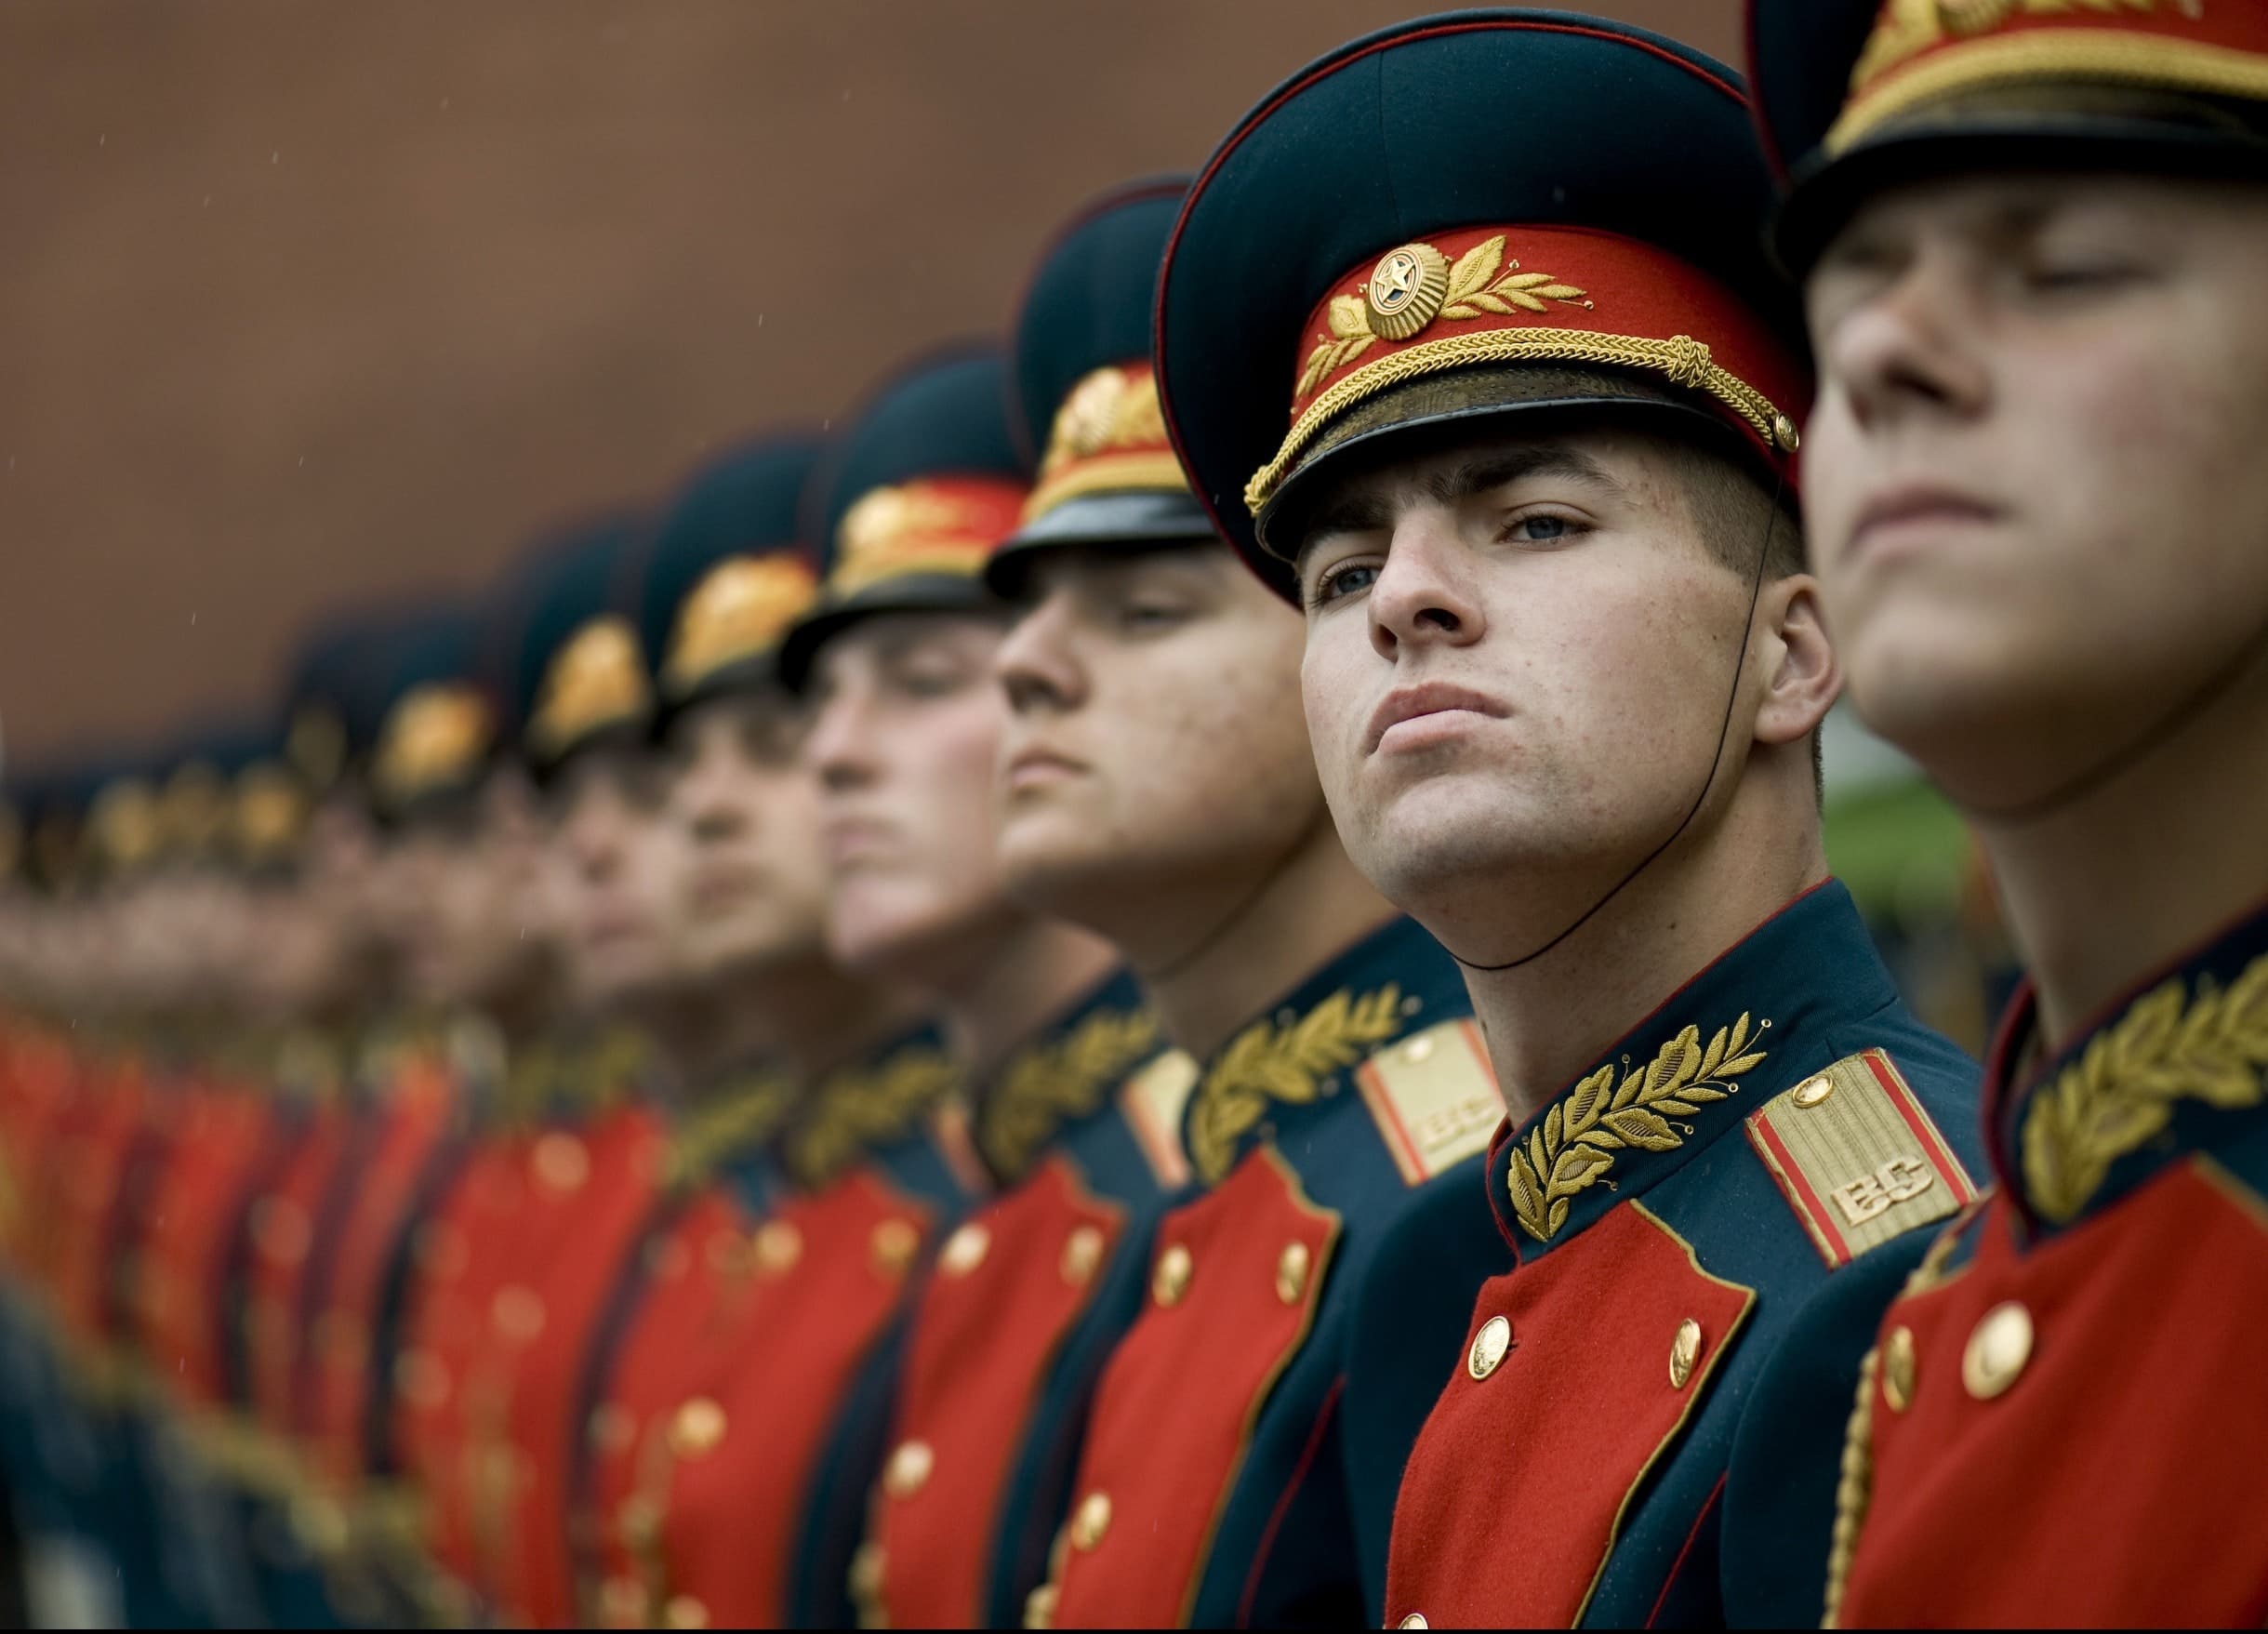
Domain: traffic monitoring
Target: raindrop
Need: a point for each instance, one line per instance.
(192, 617)
(103, 140)
(208, 202)
(276, 157)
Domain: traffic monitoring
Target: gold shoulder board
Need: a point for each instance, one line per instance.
(1151, 1100)
(1857, 1157)
(1434, 1098)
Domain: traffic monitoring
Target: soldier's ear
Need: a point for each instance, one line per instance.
(1800, 674)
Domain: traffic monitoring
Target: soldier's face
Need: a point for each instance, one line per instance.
(2034, 478)
(1155, 755)
(751, 887)
(469, 922)
(906, 725)
(1518, 658)
(612, 872)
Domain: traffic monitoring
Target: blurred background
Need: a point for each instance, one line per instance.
(301, 303)
(306, 306)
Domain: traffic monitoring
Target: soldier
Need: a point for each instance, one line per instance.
(1223, 1477)
(1082, 1138)
(1563, 674)
(2034, 241)
(759, 1513)
(722, 580)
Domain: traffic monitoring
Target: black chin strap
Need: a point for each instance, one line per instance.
(2161, 730)
(1242, 906)
(1708, 777)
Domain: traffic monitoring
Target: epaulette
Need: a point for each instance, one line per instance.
(1857, 1156)
(1434, 1098)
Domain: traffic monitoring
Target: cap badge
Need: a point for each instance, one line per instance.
(1406, 289)
(1411, 287)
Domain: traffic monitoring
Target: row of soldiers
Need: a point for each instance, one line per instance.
(1188, 977)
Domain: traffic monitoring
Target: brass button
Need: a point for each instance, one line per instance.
(1414, 1620)
(697, 1429)
(623, 1601)
(1998, 1350)
(1091, 1521)
(964, 1250)
(1811, 1091)
(1784, 433)
(420, 1379)
(1898, 1369)
(612, 1427)
(684, 1611)
(866, 1573)
(1418, 1048)
(1490, 1347)
(1292, 1267)
(1083, 1254)
(895, 1244)
(778, 1246)
(638, 1523)
(1171, 1280)
(517, 1312)
(1040, 1606)
(908, 1469)
(1684, 1350)
(562, 1163)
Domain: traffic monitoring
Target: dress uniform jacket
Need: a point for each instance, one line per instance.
(1081, 1129)
(1665, 1223)
(2043, 1433)
(755, 1500)
(1214, 1486)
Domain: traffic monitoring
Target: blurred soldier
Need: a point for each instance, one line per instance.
(518, 1254)
(1564, 674)
(2035, 245)
(765, 1492)
(1160, 788)
(767, 1012)
(1033, 1290)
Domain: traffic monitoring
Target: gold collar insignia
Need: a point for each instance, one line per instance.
(1587, 1129)
(1284, 1062)
(861, 1107)
(1053, 1083)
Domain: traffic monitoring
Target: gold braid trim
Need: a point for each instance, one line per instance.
(2119, 55)
(1048, 1086)
(858, 1109)
(1131, 470)
(1287, 1062)
(1683, 359)
(746, 1115)
(1577, 1142)
(1854, 1489)
(2122, 1091)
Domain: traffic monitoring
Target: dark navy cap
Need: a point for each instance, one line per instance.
(1856, 96)
(727, 571)
(1451, 219)
(1083, 392)
(575, 672)
(909, 505)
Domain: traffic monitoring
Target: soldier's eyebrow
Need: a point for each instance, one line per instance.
(1372, 509)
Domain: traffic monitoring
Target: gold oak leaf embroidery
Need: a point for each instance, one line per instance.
(1471, 291)
(1474, 289)
(1581, 1135)
(856, 1110)
(1287, 1062)
(744, 1116)
(1350, 337)
(1066, 1079)
(2122, 1090)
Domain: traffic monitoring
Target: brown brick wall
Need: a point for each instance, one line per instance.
(304, 301)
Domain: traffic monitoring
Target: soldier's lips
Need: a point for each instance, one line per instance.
(1910, 516)
(1034, 768)
(1430, 712)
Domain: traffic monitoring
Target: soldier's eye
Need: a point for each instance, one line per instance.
(1340, 582)
(1542, 528)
